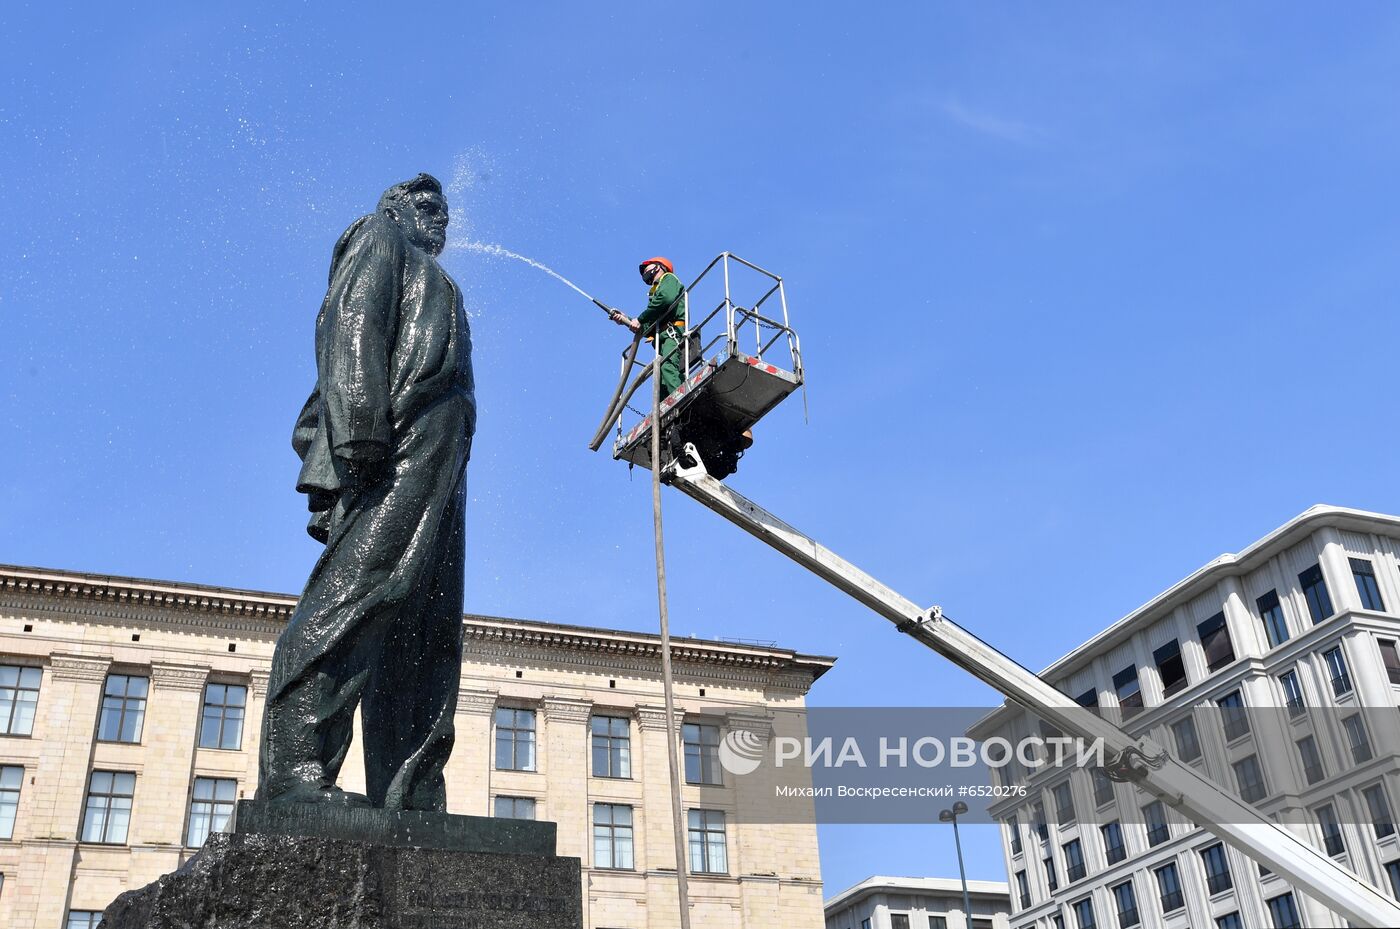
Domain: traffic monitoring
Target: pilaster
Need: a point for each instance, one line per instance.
(468, 771)
(566, 803)
(69, 697)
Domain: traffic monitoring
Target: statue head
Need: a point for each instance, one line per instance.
(420, 209)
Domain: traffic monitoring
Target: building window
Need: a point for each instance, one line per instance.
(1271, 612)
(514, 808)
(1052, 878)
(1331, 830)
(1014, 828)
(1125, 684)
(1084, 913)
(1356, 738)
(1155, 816)
(1215, 641)
(1312, 760)
(706, 836)
(11, 778)
(1233, 715)
(1284, 912)
(221, 724)
(1379, 807)
(899, 921)
(19, 695)
(1337, 670)
(1041, 828)
(1250, 779)
(211, 806)
(1390, 656)
(865, 924)
(1074, 860)
(1113, 842)
(83, 919)
(1170, 667)
(1089, 699)
(108, 811)
(1169, 886)
(515, 739)
(1056, 920)
(1023, 890)
(1229, 921)
(1188, 744)
(612, 836)
(934, 922)
(1292, 694)
(1217, 869)
(1365, 576)
(1064, 803)
(1315, 590)
(123, 708)
(1126, 901)
(1103, 787)
(1392, 871)
(701, 753)
(612, 746)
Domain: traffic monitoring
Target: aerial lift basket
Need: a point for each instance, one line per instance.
(740, 360)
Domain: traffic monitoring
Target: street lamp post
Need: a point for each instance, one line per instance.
(951, 816)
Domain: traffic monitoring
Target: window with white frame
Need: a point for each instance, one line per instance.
(612, 836)
(612, 746)
(701, 743)
(221, 720)
(515, 739)
(514, 808)
(211, 807)
(1378, 805)
(11, 779)
(705, 834)
(19, 696)
(107, 813)
(123, 708)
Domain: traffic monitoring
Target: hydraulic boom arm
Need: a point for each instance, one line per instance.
(1138, 759)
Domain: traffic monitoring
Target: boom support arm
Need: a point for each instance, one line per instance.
(1138, 759)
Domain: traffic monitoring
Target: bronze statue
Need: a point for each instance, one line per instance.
(384, 441)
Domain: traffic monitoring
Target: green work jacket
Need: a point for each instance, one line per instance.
(665, 303)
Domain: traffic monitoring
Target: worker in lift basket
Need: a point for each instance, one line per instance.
(666, 312)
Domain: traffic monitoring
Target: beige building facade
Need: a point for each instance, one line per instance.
(129, 725)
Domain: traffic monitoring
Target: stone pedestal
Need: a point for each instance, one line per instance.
(393, 871)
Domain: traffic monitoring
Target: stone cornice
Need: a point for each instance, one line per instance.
(482, 702)
(79, 667)
(178, 676)
(741, 721)
(567, 709)
(654, 717)
(257, 613)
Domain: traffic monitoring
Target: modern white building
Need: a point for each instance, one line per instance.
(918, 903)
(1274, 673)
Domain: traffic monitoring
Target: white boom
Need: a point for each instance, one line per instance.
(1138, 759)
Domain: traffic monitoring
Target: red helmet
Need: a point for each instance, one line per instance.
(658, 260)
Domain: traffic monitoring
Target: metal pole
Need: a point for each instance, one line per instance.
(951, 816)
(677, 812)
(962, 873)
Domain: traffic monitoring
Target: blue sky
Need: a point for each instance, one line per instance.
(1087, 296)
